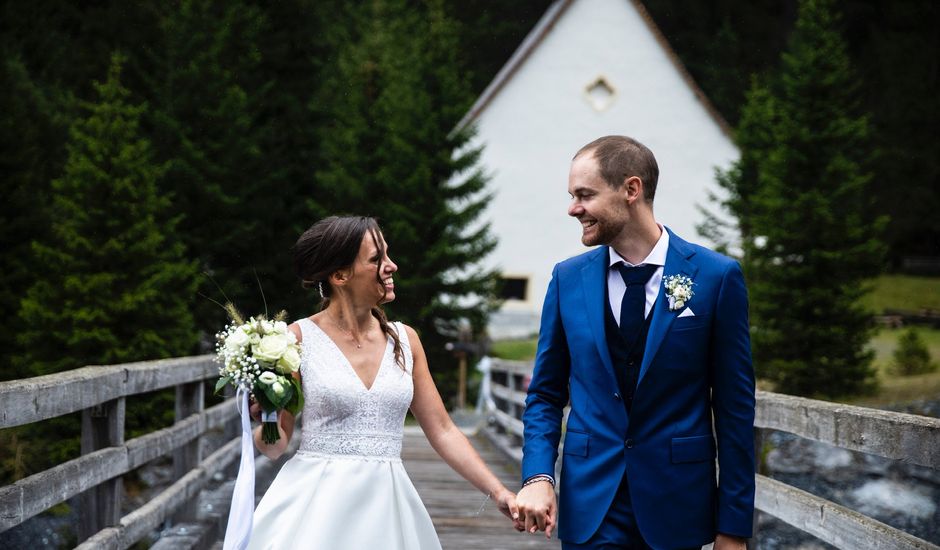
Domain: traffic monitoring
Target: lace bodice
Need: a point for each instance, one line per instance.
(341, 417)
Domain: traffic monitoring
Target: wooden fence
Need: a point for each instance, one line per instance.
(100, 392)
(905, 437)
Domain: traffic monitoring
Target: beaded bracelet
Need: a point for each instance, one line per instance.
(539, 477)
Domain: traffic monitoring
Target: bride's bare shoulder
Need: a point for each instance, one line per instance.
(295, 328)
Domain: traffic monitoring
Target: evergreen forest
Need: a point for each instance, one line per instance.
(157, 157)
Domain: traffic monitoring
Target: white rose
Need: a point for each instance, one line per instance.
(267, 378)
(236, 339)
(280, 327)
(254, 338)
(277, 388)
(290, 361)
(291, 337)
(270, 348)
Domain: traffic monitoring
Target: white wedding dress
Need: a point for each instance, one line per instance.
(346, 487)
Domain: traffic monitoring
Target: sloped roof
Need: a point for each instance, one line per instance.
(545, 26)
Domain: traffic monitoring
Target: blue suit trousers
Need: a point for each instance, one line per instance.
(618, 530)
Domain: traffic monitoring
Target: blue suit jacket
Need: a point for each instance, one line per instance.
(696, 374)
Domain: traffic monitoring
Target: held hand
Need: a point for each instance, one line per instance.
(537, 508)
(254, 410)
(506, 502)
(727, 542)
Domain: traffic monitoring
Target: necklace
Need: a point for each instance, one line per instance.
(346, 330)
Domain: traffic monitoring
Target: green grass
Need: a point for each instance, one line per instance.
(516, 350)
(904, 292)
(894, 388)
(902, 389)
(886, 341)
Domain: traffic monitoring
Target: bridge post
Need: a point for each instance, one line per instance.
(232, 428)
(759, 468)
(514, 381)
(190, 399)
(102, 427)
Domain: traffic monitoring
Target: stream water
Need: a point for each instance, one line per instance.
(901, 495)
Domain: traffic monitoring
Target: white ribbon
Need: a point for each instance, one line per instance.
(238, 531)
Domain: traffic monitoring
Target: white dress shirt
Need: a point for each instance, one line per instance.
(616, 287)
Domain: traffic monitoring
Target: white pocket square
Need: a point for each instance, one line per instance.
(687, 312)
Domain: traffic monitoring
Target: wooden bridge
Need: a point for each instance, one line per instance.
(453, 503)
(192, 511)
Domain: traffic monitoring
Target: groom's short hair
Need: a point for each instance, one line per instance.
(620, 157)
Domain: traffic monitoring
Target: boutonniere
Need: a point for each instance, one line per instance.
(678, 290)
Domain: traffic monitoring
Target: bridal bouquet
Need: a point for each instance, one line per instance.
(259, 356)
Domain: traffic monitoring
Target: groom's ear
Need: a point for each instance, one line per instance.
(633, 189)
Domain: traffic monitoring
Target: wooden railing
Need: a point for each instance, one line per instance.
(100, 392)
(905, 437)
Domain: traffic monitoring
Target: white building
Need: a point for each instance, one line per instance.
(589, 68)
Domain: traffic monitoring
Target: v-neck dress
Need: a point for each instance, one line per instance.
(346, 487)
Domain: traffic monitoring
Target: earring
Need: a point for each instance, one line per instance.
(320, 288)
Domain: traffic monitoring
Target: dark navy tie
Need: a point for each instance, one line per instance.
(633, 306)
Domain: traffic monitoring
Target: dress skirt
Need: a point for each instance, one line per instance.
(328, 502)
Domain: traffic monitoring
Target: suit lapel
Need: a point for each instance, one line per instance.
(677, 262)
(594, 284)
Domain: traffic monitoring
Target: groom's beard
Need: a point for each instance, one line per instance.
(603, 232)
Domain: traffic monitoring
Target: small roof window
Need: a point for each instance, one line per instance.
(600, 94)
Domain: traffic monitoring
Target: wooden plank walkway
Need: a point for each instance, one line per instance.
(453, 503)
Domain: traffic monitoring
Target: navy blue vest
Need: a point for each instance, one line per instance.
(626, 354)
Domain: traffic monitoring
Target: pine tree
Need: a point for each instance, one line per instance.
(754, 138)
(115, 285)
(489, 31)
(394, 97)
(813, 211)
(912, 355)
(898, 51)
(30, 137)
(294, 50)
(208, 130)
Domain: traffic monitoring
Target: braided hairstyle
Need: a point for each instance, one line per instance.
(333, 244)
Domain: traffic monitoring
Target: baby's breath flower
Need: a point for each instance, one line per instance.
(678, 290)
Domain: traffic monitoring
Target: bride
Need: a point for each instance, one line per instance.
(346, 488)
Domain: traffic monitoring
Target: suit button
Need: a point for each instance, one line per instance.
(628, 443)
(617, 396)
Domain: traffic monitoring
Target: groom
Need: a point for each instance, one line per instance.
(647, 337)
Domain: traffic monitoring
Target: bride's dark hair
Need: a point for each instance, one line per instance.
(332, 244)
